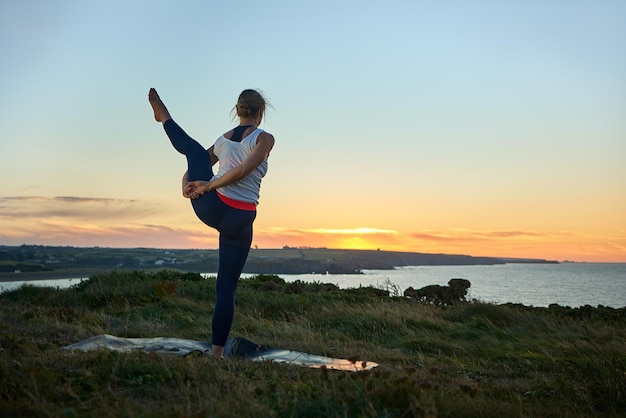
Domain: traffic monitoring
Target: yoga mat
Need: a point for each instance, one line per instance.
(235, 347)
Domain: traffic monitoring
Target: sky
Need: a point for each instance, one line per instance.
(484, 128)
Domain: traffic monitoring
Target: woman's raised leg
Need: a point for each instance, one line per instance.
(198, 160)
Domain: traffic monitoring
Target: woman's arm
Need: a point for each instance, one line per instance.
(264, 144)
(212, 156)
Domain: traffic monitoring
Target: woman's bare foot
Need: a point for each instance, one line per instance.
(160, 111)
(218, 350)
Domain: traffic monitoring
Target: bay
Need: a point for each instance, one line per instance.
(566, 284)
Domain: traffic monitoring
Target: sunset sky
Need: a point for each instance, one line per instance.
(493, 128)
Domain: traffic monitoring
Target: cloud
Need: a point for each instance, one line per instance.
(353, 231)
(75, 199)
(388, 235)
(22, 208)
(46, 232)
(464, 235)
(324, 233)
(91, 221)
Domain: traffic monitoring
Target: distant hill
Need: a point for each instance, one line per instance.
(57, 260)
(336, 261)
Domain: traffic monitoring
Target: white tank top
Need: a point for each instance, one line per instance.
(230, 155)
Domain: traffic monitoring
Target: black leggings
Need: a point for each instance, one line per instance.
(234, 227)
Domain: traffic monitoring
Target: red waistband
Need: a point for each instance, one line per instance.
(237, 204)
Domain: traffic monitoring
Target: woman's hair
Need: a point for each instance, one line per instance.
(250, 103)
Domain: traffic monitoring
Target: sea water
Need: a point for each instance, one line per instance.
(55, 283)
(566, 284)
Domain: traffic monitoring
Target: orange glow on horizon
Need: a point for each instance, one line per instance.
(545, 247)
(127, 224)
(559, 247)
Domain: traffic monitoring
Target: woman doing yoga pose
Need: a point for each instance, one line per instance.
(227, 200)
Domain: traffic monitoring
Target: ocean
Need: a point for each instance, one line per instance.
(566, 284)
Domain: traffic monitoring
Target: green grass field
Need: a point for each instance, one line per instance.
(464, 360)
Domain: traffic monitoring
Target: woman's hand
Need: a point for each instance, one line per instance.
(195, 189)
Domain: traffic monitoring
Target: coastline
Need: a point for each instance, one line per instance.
(28, 276)
(32, 262)
(567, 284)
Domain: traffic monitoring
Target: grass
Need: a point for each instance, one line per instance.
(464, 360)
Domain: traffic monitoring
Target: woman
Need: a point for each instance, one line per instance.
(227, 200)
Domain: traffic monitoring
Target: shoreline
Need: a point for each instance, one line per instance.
(488, 286)
(84, 273)
(28, 276)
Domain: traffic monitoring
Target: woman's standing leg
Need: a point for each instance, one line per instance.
(235, 240)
